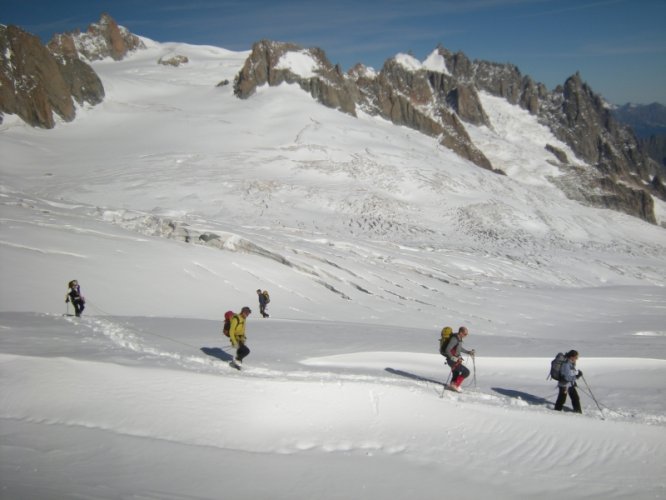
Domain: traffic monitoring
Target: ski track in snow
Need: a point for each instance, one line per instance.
(340, 369)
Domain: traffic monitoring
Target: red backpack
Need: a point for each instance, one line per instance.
(227, 322)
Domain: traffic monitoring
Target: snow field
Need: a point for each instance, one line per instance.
(370, 238)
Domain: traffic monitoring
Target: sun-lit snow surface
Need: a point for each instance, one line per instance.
(370, 238)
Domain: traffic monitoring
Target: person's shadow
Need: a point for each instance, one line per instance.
(530, 399)
(218, 353)
(413, 376)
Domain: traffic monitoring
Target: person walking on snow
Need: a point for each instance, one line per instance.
(453, 352)
(263, 302)
(237, 336)
(74, 296)
(567, 383)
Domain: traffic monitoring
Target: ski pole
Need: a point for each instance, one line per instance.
(597, 402)
(474, 366)
(444, 386)
(591, 395)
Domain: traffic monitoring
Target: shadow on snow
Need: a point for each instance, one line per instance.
(218, 353)
(530, 399)
(413, 376)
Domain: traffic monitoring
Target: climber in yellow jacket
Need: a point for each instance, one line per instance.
(237, 337)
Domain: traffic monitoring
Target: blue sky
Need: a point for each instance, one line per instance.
(618, 46)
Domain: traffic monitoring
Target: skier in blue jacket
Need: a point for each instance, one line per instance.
(567, 383)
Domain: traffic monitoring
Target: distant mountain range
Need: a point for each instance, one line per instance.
(437, 97)
(645, 119)
(649, 123)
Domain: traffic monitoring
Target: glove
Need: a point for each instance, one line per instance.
(67, 300)
(580, 374)
(472, 352)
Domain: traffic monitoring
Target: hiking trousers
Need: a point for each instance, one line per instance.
(562, 397)
(79, 306)
(459, 372)
(242, 351)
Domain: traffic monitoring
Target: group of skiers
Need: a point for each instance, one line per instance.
(567, 374)
(451, 347)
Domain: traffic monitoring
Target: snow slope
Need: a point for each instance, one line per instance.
(173, 201)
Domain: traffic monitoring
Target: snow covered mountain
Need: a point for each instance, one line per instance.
(172, 200)
(439, 97)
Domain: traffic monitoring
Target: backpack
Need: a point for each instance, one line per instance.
(447, 331)
(556, 366)
(227, 322)
(266, 296)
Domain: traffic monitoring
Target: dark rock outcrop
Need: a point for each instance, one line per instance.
(326, 83)
(558, 153)
(582, 119)
(38, 81)
(102, 39)
(175, 60)
(35, 84)
(85, 85)
(426, 101)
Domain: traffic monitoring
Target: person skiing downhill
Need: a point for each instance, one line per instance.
(74, 296)
(567, 383)
(237, 337)
(453, 351)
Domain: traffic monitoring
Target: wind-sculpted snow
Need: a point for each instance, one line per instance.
(115, 380)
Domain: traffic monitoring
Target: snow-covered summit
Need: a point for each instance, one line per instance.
(434, 62)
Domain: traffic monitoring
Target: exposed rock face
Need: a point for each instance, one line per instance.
(175, 61)
(426, 101)
(437, 99)
(105, 39)
(581, 119)
(85, 85)
(326, 83)
(34, 84)
(559, 154)
(38, 81)
(397, 94)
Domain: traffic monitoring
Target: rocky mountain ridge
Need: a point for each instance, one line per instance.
(439, 96)
(436, 97)
(38, 82)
